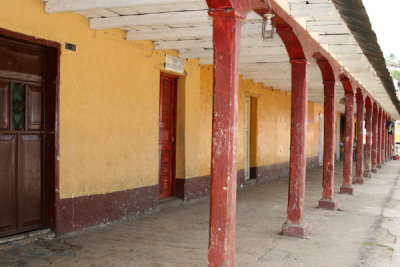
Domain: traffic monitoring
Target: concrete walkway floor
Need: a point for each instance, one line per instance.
(364, 232)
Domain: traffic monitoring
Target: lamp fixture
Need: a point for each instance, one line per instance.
(268, 27)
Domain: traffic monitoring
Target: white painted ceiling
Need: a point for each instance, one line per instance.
(185, 26)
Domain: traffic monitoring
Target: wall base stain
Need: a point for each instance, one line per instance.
(199, 187)
(273, 171)
(85, 211)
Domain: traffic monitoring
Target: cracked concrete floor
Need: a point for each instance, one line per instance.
(364, 232)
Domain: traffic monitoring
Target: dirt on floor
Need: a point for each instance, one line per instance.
(363, 232)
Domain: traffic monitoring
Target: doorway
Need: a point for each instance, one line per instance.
(321, 139)
(250, 135)
(338, 138)
(167, 135)
(27, 134)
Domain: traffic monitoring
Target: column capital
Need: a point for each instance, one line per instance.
(329, 82)
(299, 61)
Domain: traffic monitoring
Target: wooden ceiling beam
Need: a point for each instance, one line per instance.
(53, 6)
(168, 18)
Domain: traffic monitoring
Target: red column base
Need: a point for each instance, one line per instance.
(328, 204)
(295, 230)
(379, 166)
(346, 189)
(374, 170)
(358, 180)
(367, 174)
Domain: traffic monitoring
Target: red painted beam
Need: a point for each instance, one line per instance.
(346, 187)
(240, 7)
(226, 34)
(374, 154)
(368, 141)
(360, 137)
(289, 38)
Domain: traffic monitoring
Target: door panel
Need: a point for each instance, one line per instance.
(22, 59)
(7, 183)
(4, 108)
(30, 181)
(166, 172)
(34, 109)
(166, 141)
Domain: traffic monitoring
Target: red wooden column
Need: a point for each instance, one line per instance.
(386, 138)
(346, 188)
(360, 137)
(383, 138)
(393, 140)
(368, 141)
(294, 225)
(374, 154)
(388, 141)
(327, 201)
(226, 26)
(379, 141)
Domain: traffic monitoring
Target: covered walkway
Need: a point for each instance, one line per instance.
(363, 232)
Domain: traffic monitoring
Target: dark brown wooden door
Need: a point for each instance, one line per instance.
(166, 141)
(22, 137)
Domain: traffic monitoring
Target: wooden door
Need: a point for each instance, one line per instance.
(22, 137)
(166, 141)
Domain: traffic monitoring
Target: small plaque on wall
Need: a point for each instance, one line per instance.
(173, 64)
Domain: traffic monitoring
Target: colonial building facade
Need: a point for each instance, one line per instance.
(108, 107)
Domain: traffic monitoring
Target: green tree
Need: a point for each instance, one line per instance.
(395, 74)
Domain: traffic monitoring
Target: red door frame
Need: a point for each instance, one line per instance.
(173, 157)
(53, 53)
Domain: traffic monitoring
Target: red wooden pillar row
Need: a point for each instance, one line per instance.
(368, 141)
(383, 138)
(386, 138)
(374, 154)
(393, 140)
(327, 201)
(221, 249)
(360, 137)
(294, 225)
(346, 188)
(379, 141)
(388, 142)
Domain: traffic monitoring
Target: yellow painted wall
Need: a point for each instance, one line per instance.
(109, 102)
(273, 134)
(397, 132)
(109, 107)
